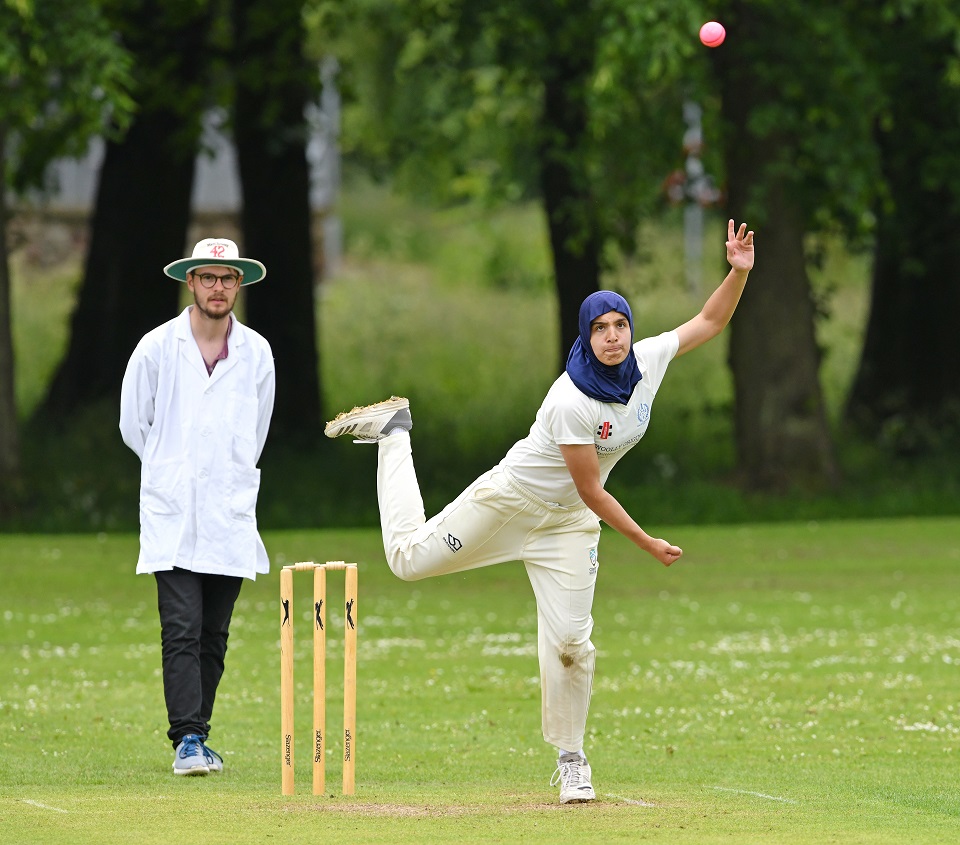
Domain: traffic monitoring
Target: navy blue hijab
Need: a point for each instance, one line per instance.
(597, 380)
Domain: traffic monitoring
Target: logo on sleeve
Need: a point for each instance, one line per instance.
(604, 430)
(643, 413)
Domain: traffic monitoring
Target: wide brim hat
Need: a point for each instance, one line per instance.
(221, 252)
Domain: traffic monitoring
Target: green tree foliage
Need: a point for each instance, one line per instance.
(63, 78)
(447, 98)
(576, 103)
(809, 93)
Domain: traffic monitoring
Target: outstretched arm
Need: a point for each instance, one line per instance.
(581, 460)
(719, 308)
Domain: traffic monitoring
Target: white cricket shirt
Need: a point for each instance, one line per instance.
(568, 416)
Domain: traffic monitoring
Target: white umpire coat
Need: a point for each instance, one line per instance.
(198, 438)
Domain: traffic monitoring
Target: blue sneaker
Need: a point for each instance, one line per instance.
(214, 760)
(189, 758)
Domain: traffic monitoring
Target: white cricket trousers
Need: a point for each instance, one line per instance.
(496, 520)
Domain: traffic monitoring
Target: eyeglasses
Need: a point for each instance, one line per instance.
(208, 280)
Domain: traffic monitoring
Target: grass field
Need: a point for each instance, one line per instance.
(783, 683)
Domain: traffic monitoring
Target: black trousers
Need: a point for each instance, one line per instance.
(195, 611)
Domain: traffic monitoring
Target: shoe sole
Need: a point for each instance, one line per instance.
(578, 800)
(194, 772)
(583, 797)
(334, 428)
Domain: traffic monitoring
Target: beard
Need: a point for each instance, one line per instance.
(212, 315)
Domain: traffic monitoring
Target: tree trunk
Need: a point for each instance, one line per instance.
(781, 431)
(908, 382)
(141, 215)
(569, 203)
(273, 86)
(9, 427)
(124, 292)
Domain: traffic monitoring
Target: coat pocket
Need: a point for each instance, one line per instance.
(243, 494)
(161, 488)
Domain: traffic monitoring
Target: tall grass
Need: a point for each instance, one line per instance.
(455, 309)
(42, 301)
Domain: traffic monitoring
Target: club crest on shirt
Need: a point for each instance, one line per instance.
(594, 562)
(604, 430)
(643, 413)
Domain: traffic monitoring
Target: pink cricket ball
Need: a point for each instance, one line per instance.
(712, 34)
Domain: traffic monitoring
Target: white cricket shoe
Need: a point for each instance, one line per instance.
(573, 775)
(372, 422)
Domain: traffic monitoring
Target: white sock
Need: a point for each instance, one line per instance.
(580, 753)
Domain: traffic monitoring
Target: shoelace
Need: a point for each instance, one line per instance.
(570, 773)
(190, 746)
(211, 755)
